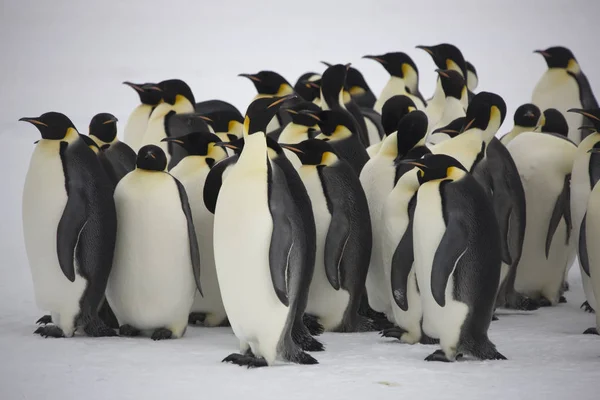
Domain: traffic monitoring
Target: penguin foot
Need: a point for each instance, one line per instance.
(304, 359)
(428, 340)
(161, 334)
(107, 316)
(495, 317)
(248, 361)
(562, 299)
(128, 331)
(307, 342)
(587, 308)
(497, 356)
(256, 362)
(97, 328)
(312, 324)
(382, 324)
(591, 331)
(518, 301)
(394, 332)
(437, 355)
(50, 331)
(544, 302)
(196, 317)
(47, 319)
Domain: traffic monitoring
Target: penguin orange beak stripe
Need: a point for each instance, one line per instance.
(133, 86)
(543, 53)
(281, 100)
(110, 121)
(208, 119)
(251, 77)
(584, 113)
(427, 49)
(469, 124)
(442, 73)
(154, 87)
(416, 164)
(292, 148)
(33, 121)
(289, 110)
(376, 58)
(446, 131)
(228, 145)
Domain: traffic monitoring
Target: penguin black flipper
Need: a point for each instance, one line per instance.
(194, 251)
(583, 254)
(375, 119)
(587, 99)
(402, 261)
(214, 180)
(562, 209)
(71, 224)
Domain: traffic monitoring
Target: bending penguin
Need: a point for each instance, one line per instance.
(472, 78)
(136, 125)
(527, 118)
(155, 275)
(69, 224)
(103, 131)
(393, 111)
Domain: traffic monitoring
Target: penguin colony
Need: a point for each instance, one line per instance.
(323, 208)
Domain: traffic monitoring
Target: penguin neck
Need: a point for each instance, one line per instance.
(408, 183)
(294, 133)
(100, 142)
(332, 102)
(181, 106)
(439, 97)
(254, 153)
(389, 146)
(518, 129)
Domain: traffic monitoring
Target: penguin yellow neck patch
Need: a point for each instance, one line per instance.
(328, 158)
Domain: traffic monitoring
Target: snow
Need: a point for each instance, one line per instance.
(71, 57)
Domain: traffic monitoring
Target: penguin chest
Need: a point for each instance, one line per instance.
(465, 148)
(151, 284)
(136, 126)
(452, 109)
(395, 86)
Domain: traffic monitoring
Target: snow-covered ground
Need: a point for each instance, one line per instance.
(72, 56)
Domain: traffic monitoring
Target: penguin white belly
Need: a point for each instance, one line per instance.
(377, 179)
(372, 132)
(374, 149)
(242, 237)
(328, 304)
(464, 147)
(557, 89)
(593, 233)
(151, 284)
(44, 199)
(435, 106)
(273, 124)
(453, 109)
(136, 125)
(439, 322)
(192, 172)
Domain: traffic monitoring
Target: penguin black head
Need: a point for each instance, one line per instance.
(52, 125)
(411, 130)
(151, 158)
(356, 83)
(104, 127)
(397, 64)
(485, 109)
(553, 121)
(313, 152)
(453, 83)
(333, 82)
(559, 57)
(147, 95)
(527, 115)
(236, 145)
(195, 143)
(334, 124)
(447, 56)
(260, 112)
(453, 129)
(305, 87)
(172, 89)
(299, 111)
(394, 109)
(435, 167)
(269, 83)
(592, 114)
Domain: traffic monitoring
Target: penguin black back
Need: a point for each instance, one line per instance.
(394, 110)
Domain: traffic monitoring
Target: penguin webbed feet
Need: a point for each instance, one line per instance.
(44, 320)
(393, 332)
(50, 331)
(439, 356)
(518, 301)
(97, 328)
(495, 317)
(544, 302)
(162, 334)
(587, 308)
(303, 338)
(196, 317)
(128, 331)
(312, 324)
(248, 360)
(562, 300)
(591, 331)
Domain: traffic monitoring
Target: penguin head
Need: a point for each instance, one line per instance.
(356, 83)
(453, 83)
(151, 158)
(447, 56)
(306, 87)
(313, 152)
(52, 125)
(174, 90)
(472, 78)
(269, 83)
(528, 115)
(303, 113)
(399, 65)
(148, 95)
(433, 167)
(560, 57)
(394, 109)
(486, 112)
(224, 121)
(412, 129)
(553, 121)
(453, 129)
(104, 127)
(200, 144)
(236, 145)
(333, 82)
(335, 125)
(260, 112)
(592, 114)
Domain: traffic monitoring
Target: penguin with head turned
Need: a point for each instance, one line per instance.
(457, 258)
(584, 177)
(308, 87)
(136, 125)
(343, 232)
(456, 102)
(527, 118)
(392, 112)
(564, 86)
(224, 118)
(554, 122)
(69, 224)
(404, 79)
(472, 77)
(301, 127)
(261, 281)
(359, 89)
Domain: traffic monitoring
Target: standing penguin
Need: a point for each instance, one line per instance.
(404, 79)
(392, 112)
(344, 239)
(155, 271)
(306, 87)
(261, 281)
(585, 175)
(136, 125)
(564, 86)
(457, 259)
(455, 92)
(191, 171)
(472, 78)
(526, 119)
(103, 130)
(226, 121)
(69, 224)
(358, 88)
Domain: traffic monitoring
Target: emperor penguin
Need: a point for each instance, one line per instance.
(177, 99)
(343, 229)
(585, 175)
(136, 125)
(69, 224)
(457, 258)
(155, 271)
(392, 112)
(527, 118)
(261, 281)
(338, 128)
(377, 179)
(359, 89)
(449, 131)
(191, 171)
(564, 86)
(455, 92)
(472, 78)
(590, 231)
(545, 162)
(307, 89)
(103, 131)
(301, 127)
(224, 118)
(404, 79)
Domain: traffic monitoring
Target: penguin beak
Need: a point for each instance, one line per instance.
(442, 73)
(292, 148)
(227, 144)
(543, 53)
(584, 113)
(310, 114)
(134, 86)
(110, 121)
(33, 120)
(281, 100)
(309, 84)
(172, 140)
(376, 58)
(204, 117)
(326, 63)
(448, 131)
(153, 87)
(251, 77)
(427, 49)
(412, 162)
(466, 128)
(290, 111)
(582, 127)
